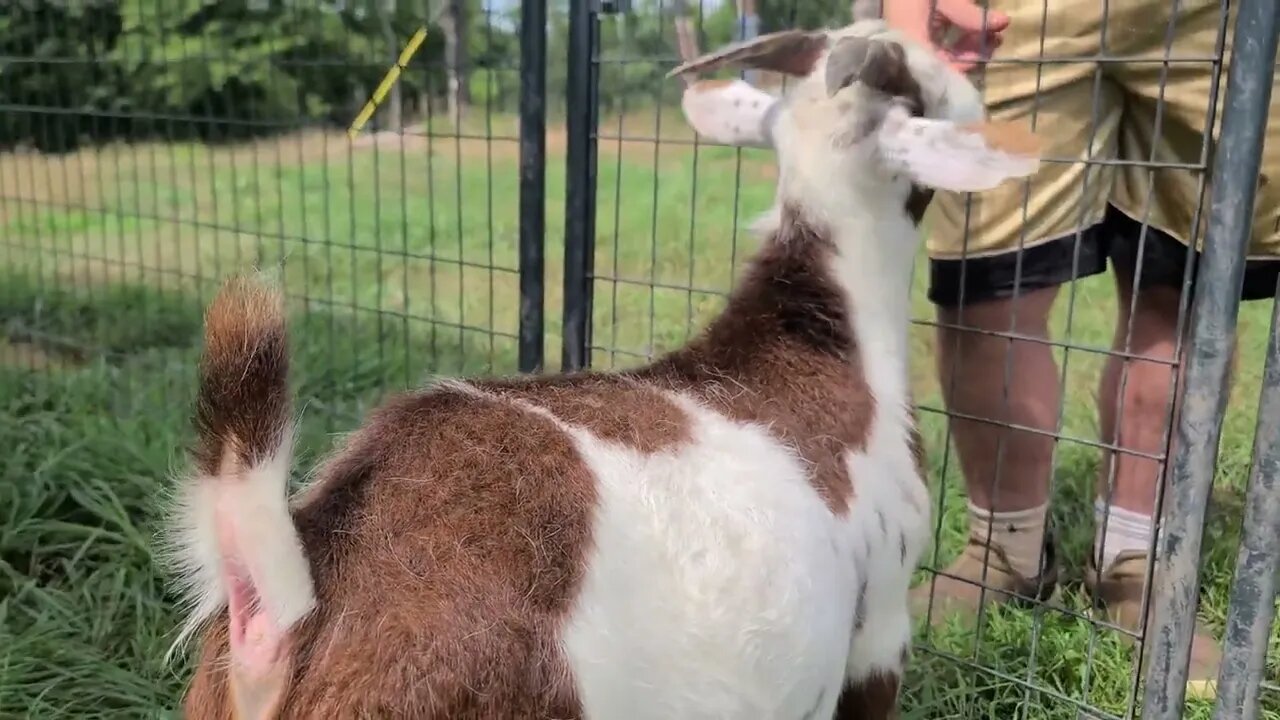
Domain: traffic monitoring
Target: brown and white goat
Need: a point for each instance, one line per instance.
(728, 532)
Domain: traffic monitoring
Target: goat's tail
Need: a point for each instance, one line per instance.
(243, 408)
(231, 526)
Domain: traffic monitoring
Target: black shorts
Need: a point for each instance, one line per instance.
(1049, 264)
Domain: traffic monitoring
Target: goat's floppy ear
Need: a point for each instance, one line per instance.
(793, 52)
(942, 155)
(731, 112)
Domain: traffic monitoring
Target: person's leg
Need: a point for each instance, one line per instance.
(996, 262)
(1003, 401)
(994, 387)
(1137, 406)
(1136, 393)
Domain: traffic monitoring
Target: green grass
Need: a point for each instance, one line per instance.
(108, 256)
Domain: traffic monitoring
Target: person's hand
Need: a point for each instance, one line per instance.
(977, 32)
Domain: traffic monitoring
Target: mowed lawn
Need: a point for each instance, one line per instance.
(400, 258)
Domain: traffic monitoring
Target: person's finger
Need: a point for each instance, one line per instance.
(962, 64)
(910, 18)
(977, 43)
(966, 15)
(967, 59)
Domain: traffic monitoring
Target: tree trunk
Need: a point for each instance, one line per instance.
(453, 23)
(748, 29)
(393, 105)
(424, 105)
(686, 36)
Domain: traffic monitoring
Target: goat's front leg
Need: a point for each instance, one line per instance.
(878, 657)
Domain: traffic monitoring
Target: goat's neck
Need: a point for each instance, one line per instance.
(875, 241)
(863, 248)
(872, 266)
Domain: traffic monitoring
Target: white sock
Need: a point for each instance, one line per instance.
(1019, 533)
(1126, 531)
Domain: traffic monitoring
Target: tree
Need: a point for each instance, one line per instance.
(686, 35)
(206, 69)
(393, 107)
(782, 14)
(65, 40)
(453, 23)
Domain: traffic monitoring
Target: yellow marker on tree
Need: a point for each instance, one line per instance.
(390, 79)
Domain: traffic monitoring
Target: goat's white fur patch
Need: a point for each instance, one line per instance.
(721, 585)
(733, 112)
(942, 154)
(254, 503)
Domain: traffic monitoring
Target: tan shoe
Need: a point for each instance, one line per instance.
(1118, 589)
(962, 586)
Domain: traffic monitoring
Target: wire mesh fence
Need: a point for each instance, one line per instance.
(218, 153)
(151, 148)
(1017, 395)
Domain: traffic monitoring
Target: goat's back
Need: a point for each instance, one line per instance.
(592, 545)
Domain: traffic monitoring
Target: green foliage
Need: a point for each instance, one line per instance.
(80, 70)
(719, 26)
(49, 51)
(99, 69)
(781, 14)
(630, 42)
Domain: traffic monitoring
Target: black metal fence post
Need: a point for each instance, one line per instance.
(533, 185)
(1253, 592)
(580, 191)
(1215, 309)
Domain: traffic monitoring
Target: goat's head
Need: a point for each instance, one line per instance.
(868, 109)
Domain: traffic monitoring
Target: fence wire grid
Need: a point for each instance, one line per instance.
(531, 190)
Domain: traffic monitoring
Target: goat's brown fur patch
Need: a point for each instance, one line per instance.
(889, 73)
(783, 354)
(918, 202)
(209, 695)
(609, 406)
(873, 698)
(447, 542)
